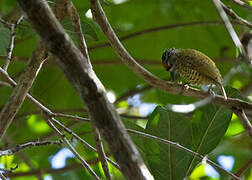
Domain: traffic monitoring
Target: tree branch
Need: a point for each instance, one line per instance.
(244, 120)
(20, 147)
(166, 86)
(233, 15)
(155, 29)
(222, 9)
(68, 144)
(83, 78)
(20, 91)
(242, 4)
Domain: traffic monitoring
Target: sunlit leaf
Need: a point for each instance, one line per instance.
(167, 162)
(208, 129)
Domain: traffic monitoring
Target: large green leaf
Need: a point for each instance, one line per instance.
(209, 126)
(167, 162)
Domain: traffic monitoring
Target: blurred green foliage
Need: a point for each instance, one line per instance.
(52, 89)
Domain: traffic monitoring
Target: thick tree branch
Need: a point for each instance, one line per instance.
(81, 75)
(19, 93)
(27, 78)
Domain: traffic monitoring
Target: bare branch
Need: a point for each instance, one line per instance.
(71, 148)
(27, 78)
(244, 168)
(19, 93)
(101, 152)
(70, 167)
(178, 146)
(89, 87)
(11, 43)
(221, 7)
(233, 15)
(21, 147)
(242, 4)
(83, 47)
(244, 120)
(166, 86)
(2, 177)
(78, 29)
(81, 140)
(156, 29)
(68, 116)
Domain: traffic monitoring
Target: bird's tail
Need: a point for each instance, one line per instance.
(223, 91)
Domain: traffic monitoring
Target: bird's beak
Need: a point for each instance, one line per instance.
(166, 66)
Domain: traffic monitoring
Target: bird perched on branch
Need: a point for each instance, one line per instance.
(194, 66)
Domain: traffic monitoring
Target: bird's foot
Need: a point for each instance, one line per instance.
(211, 93)
(185, 87)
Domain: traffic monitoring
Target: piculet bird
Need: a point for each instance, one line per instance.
(194, 66)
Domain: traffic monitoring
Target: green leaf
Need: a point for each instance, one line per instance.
(4, 39)
(167, 162)
(208, 129)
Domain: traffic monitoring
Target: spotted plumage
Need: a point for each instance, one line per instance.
(194, 66)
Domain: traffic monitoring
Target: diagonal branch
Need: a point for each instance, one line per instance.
(68, 144)
(166, 86)
(20, 147)
(222, 9)
(89, 87)
(83, 47)
(233, 15)
(244, 120)
(242, 4)
(27, 78)
(19, 93)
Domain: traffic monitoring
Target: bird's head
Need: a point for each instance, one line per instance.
(168, 59)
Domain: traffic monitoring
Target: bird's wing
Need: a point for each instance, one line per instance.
(201, 63)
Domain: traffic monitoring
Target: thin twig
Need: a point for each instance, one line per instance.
(156, 29)
(5, 23)
(220, 7)
(83, 47)
(2, 177)
(178, 146)
(82, 140)
(41, 107)
(18, 95)
(244, 168)
(20, 147)
(67, 168)
(11, 43)
(233, 15)
(76, 22)
(244, 120)
(101, 152)
(242, 4)
(71, 148)
(68, 116)
(8, 170)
